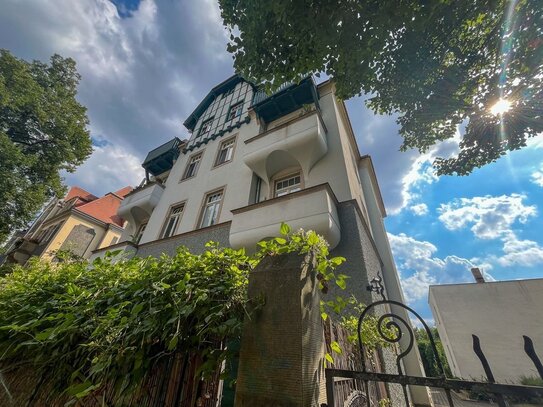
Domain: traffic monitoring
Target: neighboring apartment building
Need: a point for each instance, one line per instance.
(254, 161)
(79, 223)
(500, 313)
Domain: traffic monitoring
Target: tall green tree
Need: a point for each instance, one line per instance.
(436, 64)
(428, 356)
(43, 130)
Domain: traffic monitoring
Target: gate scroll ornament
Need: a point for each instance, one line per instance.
(392, 328)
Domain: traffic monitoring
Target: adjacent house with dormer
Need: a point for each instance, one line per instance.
(79, 223)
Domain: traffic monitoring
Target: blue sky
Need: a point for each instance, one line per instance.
(146, 65)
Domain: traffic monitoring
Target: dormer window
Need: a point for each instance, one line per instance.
(235, 111)
(205, 128)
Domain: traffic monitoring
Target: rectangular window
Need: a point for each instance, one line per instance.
(205, 128)
(226, 150)
(210, 211)
(235, 111)
(139, 233)
(288, 185)
(192, 167)
(172, 221)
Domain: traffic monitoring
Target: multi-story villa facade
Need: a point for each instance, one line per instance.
(256, 160)
(79, 223)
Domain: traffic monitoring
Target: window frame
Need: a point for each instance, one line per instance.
(139, 233)
(162, 232)
(285, 175)
(191, 158)
(203, 207)
(204, 122)
(230, 110)
(233, 140)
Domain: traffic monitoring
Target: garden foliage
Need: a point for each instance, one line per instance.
(87, 325)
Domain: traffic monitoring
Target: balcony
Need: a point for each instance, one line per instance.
(138, 205)
(303, 138)
(312, 208)
(162, 158)
(286, 99)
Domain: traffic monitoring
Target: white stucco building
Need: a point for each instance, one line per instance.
(500, 314)
(254, 161)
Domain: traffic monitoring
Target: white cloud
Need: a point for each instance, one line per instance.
(491, 216)
(417, 324)
(517, 252)
(535, 142)
(419, 209)
(419, 256)
(109, 168)
(401, 174)
(421, 172)
(537, 176)
(141, 76)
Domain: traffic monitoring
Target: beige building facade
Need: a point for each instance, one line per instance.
(79, 224)
(255, 160)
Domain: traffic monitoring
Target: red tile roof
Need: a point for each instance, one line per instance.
(80, 193)
(104, 208)
(123, 191)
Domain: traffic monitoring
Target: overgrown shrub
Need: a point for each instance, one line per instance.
(108, 322)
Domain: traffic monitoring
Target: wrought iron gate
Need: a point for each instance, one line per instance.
(389, 322)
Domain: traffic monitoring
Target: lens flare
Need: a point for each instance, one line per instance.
(500, 107)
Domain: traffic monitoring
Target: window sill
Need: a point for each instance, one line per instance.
(187, 178)
(221, 164)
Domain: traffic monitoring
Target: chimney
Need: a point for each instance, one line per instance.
(477, 275)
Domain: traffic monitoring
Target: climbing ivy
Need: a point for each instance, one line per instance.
(108, 322)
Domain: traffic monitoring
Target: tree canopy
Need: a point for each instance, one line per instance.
(43, 130)
(438, 65)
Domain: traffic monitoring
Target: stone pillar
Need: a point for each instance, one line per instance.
(282, 345)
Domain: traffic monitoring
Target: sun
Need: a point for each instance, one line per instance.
(500, 107)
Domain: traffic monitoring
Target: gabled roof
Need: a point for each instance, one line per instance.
(222, 87)
(79, 193)
(105, 208)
